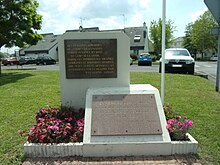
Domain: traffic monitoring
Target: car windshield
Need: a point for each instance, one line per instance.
(177, 53)
(145, 56)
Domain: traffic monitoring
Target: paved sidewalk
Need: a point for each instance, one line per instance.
(157, 160)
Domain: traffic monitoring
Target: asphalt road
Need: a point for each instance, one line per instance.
(208, 68)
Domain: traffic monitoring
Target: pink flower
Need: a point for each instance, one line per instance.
(179, 123)
(64, 133)
(32, 129)
(168, 126)
(188, 123)
(81, 129)
(41, 120)
(43, 110)
(55, 127)
(58, 121)
(69, 119)
(42, 138)
(80, 122)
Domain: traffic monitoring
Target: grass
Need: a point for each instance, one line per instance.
(195, 97)
(22, 93)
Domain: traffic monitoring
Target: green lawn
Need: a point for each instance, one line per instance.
(22, 93)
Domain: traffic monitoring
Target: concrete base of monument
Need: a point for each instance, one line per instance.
(109, 150)
(123, 121)
(127, 149)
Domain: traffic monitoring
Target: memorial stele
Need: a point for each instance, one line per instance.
(120, 119)
(91, 59)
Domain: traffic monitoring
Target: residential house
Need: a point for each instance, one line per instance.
(178, 42)
(45, 47)
(139, 42)
(48, 46)
(138, 39)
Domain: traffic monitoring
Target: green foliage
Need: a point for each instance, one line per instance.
(201, 37)
(19, 20)
(134, 56)
(187, 39)
(169, 112)
(197, 34)
(156, 34)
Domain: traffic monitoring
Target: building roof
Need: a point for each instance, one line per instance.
(91, 29)
(137, 37)
(49, 41)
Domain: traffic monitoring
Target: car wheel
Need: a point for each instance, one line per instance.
(160, 68)
(191, 72)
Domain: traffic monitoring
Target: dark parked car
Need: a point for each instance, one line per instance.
(144, 59)
(27, 60)
(45, 60)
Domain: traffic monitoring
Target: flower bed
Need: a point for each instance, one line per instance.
(56, 126)
(59, 133)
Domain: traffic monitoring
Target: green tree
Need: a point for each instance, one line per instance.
(19, 21)
(155, 31)
(187, 39)
(200, 35)
(1, 55)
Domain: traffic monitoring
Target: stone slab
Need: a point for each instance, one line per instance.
(91, 58)
(73, 90)
(125, 114)
(136, 89)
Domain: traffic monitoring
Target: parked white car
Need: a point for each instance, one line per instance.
(214, 57)
(178, 60)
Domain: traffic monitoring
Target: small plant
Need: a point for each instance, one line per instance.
(56, 126)
(168, 110)
(178, 127)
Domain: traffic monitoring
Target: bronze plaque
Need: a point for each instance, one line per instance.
(125, 114)
(91, 58)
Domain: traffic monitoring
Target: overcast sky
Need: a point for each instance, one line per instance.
(62, 15)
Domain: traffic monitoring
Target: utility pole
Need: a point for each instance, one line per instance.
(163, 51)
(214, 7)
(216, 31)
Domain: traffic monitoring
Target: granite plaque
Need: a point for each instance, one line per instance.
(91, 58)
(125, 114)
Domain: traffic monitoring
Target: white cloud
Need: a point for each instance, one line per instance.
(196, 14)
(59, 16)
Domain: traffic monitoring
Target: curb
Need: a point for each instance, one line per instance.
(201, 74)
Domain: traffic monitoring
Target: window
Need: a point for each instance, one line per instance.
(137, 38)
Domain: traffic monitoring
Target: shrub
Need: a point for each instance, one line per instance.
(178, 127)
(134, 56)
(168, 110)
(56, 126)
